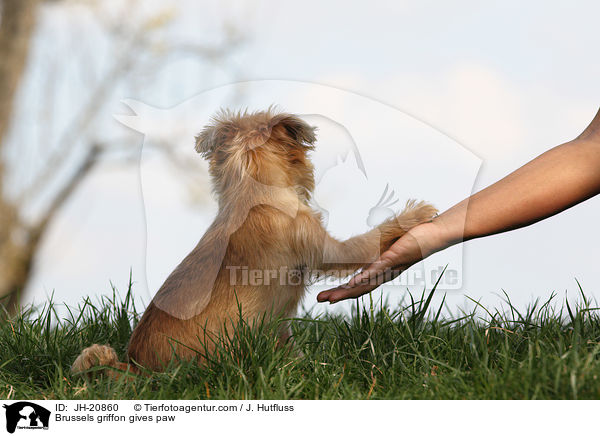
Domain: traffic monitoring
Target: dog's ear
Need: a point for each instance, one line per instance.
(297, 129)
(208, 140)
(215, 135)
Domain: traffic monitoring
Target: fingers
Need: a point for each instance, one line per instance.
(344, 292)
(370, 278)
(380, 266)
(404, 253)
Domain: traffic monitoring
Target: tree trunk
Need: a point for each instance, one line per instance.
(16, 261)
(17, 22)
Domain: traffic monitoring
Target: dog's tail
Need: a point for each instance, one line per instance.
(102, 356)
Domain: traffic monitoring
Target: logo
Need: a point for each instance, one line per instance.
(366, 152)
(26, 415)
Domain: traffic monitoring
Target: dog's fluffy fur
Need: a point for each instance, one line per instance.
(263, 179)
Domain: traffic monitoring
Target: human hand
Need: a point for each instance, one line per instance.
(420, 242)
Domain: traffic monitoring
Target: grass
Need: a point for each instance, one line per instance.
(379, 352)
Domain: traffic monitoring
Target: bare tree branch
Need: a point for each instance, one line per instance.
(81, 122)
(82, 170)
(16, 27)
(17, 257)
(20, 238)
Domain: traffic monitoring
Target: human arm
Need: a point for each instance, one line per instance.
(554, 181)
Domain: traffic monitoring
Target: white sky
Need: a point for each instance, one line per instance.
(501, 81)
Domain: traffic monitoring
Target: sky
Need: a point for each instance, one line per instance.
(440, 99)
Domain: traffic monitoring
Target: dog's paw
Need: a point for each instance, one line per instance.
(96, 355)
(416, 213)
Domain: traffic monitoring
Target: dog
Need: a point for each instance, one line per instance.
(263, 178)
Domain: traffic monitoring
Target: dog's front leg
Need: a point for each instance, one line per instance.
(343, 258)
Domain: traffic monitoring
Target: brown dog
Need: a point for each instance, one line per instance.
(258, 253)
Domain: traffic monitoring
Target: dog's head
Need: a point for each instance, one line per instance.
(270, 147)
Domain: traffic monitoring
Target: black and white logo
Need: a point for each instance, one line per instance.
(26, 415)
